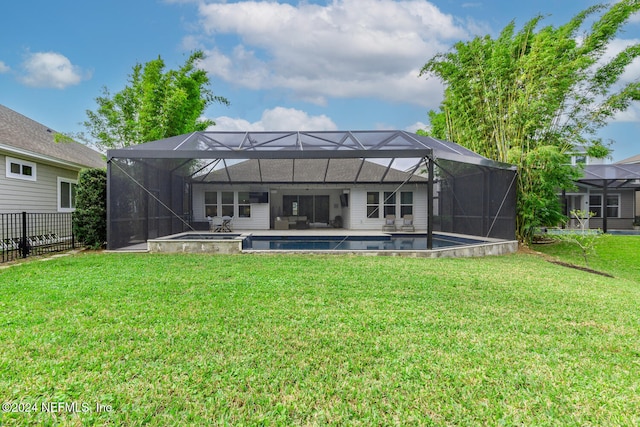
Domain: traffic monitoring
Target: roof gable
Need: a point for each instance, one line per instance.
(28, 136)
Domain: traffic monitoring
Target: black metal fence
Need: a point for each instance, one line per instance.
(27, 234)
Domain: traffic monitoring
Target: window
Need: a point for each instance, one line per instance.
(595, 205)
(210, 203)
(244, 204)
(227, 203)
(406, 203)
(20, 169)
(373, 204)
(389, 203)
(66, 195)
(579, 160)
(613, 205)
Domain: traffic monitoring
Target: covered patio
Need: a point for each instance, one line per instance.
(610, 192)
(258, 178)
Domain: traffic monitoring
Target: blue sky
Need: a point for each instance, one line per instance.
(294, 65)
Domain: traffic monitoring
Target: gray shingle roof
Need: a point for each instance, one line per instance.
(25, 134)
(309, 171)
(632, 159)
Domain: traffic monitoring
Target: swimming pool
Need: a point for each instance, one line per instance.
(391, 242)
(411, 244)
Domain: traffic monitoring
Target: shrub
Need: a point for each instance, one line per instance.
(90, 217)
(584, 238)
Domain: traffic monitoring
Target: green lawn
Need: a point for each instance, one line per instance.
(317, 340)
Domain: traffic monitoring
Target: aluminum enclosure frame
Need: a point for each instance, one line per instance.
(162, 160)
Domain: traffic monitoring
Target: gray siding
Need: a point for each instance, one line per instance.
(626, 212)
(17, 195)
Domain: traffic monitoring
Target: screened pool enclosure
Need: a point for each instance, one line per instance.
(355, 180)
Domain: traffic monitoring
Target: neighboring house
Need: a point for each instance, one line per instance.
(611, 192)
(38, 174)
(633, 160)
(579, 157)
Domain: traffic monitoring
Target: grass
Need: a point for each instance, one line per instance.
(320, 340)
(615, 255)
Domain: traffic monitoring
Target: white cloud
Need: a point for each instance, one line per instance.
(278, 118)
(417, 126)
(51, 70)
(347, 48)
(616, 46)
(630, 75)
(630, 115)
(4, 68)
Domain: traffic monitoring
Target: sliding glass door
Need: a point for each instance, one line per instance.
(315, 208)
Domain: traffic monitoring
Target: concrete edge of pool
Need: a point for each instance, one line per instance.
(231, 243)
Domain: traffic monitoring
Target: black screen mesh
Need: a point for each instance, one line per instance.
(150, 198)
(474, 200)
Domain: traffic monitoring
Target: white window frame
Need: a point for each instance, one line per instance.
(603, 205)
(375, 206)
(59, 191)
(406, 206)
(20, 175)
(223, 205)
(214, 205)
(243, 204)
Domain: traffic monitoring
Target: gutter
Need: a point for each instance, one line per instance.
(42, 157)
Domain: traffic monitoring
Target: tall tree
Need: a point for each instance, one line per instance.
(155, 104)
(531, 97)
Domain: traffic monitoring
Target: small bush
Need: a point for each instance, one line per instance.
(583, 237)
(90, 217)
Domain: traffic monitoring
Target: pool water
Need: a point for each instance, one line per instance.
(391, 242)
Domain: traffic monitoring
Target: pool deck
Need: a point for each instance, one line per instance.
(228, 246)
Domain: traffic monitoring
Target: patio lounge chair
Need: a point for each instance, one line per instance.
(407, 223)
(389, 223)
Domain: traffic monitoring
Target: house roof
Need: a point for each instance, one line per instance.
(632, 159)
(615, 175)
(302, 145)
(24, 136)
(309, 171)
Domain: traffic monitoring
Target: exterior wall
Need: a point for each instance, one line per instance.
(626, 210)
(354, 215)
(358, 207)
(259, 211)
(41, 195)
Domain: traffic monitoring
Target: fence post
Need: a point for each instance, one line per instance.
(24, 248)
(73, 235)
